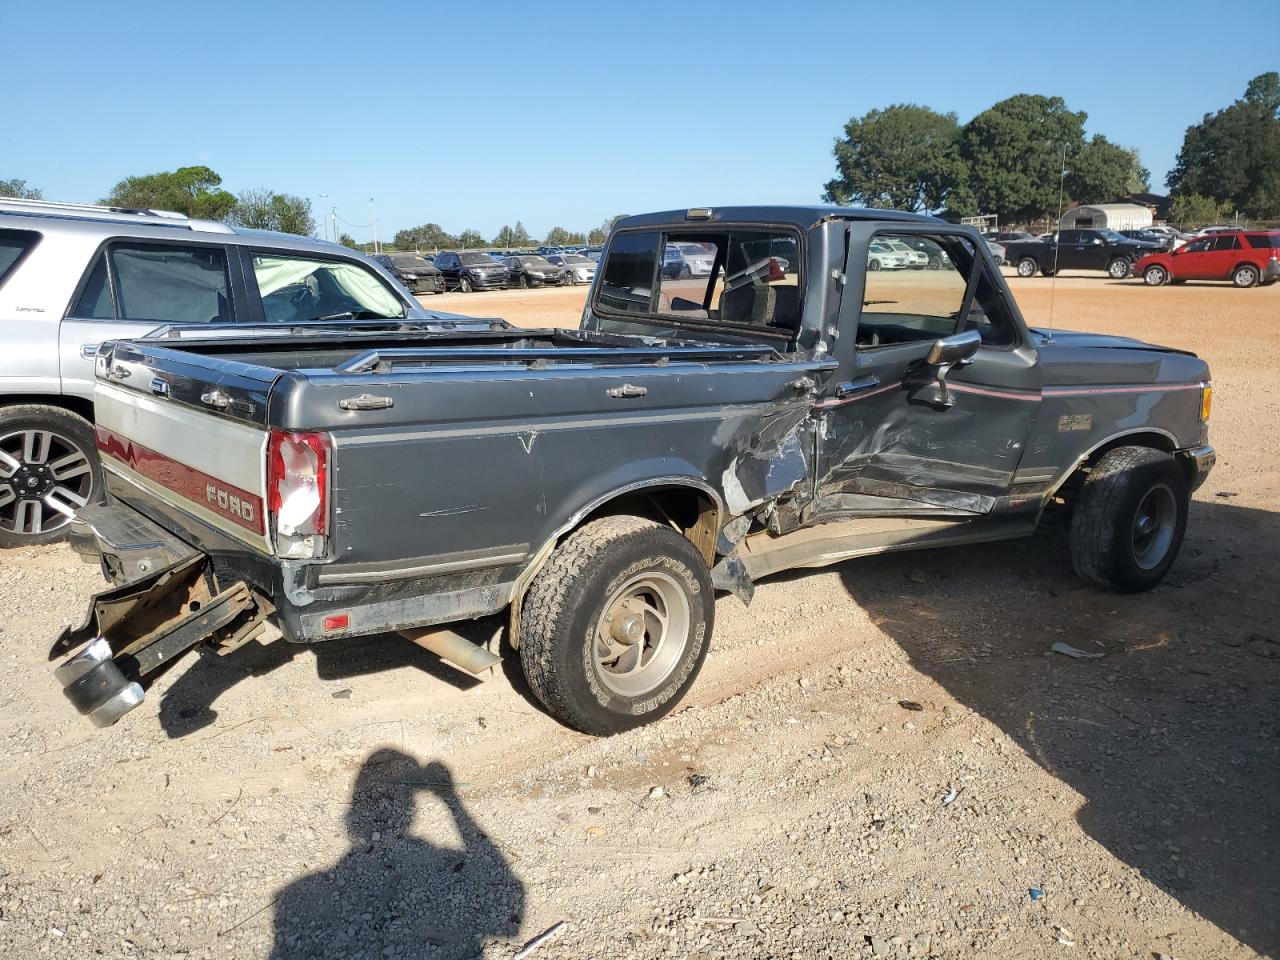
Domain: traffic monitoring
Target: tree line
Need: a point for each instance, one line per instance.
(432, 236)
(1022, 157)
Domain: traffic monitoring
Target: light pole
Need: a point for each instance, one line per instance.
(324, 218)
(373, 215)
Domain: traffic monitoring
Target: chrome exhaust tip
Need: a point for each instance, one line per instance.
(96, 686)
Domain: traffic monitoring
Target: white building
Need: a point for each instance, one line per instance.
(1107, 216)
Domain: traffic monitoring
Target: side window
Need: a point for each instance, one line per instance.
(1069, 236)
(299, 288)
(627, 283)
(1200, 246)
(915, 290)
(95, 299)
(1227, 241)
(171, 284)
(13, 244)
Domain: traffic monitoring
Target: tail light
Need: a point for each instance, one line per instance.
(298, 491)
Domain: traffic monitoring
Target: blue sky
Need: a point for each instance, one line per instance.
(474, 115)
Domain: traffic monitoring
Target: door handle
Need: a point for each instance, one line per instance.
(119, 373)
(627, 391)
(216, 399)
(857, 386)
(88, 350)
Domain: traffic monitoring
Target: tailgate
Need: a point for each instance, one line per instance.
(194, 439)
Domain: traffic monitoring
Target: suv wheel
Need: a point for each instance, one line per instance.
(464, 285)
(1027, 267)
(48, 470)
(524, 281)
(1129, 519)
(615, 627)
(1119, 268)
(1155, 276)
(1245, 276)
(685, 272)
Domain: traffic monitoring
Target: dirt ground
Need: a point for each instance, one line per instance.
(879, 759)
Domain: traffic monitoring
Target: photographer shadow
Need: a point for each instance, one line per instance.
(396, 894)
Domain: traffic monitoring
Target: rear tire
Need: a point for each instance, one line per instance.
(574, 619)
(1129, 520)
(1027, 267)
(1119, 268)
(46, 453)
(1246, 276)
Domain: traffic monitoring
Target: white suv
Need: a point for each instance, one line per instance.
(73, 276)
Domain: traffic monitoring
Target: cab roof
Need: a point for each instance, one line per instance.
(799, 216)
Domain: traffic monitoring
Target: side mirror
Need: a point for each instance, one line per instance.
(954, 349)
(949, 352)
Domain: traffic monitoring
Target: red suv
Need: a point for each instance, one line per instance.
(1245, 257)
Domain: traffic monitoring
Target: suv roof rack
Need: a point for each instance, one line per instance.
(90, 211)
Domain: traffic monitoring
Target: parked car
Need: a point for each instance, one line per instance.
(935, 256)
(685, 260)
(577, 268)
(1245, 258)
(593, 253)
(1208, 231)
(671, 447)
(1077, 250)
(469, 270)
(1174, 238)
(73, 276)
(534, 271)
(413, 270)
(1156, 240)
(881, 256)
(1008, 236)
(997, 250)
(916, 259)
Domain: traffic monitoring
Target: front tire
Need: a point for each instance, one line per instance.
(1027, 267)
(49, 468)
(685, 272)
(464, 285)
(1129, 520)
(615, 627)
(1245, 276)
(1119, 268)
(1155, 276)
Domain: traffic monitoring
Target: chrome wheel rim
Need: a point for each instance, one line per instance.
(1244, 278)
(44, 479)
(1026, 268)
(1118, 270)
(1154, 524)
(1154, 277)
(641, 634)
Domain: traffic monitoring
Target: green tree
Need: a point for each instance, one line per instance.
(429, 236)
(267, 210)
(601, 233)
(1233, 155)
(560, 237)
(1193, 210)
(1102, 171)
(190, 190)
(904, 157)
(471, 239)
(348, 241)
(1013, 151)
(516, 236)
(19, 190)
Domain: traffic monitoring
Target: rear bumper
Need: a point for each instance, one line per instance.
(126, 544)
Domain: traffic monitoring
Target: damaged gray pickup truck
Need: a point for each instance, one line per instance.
(782, 407)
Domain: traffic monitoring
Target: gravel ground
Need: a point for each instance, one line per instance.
(880, 759)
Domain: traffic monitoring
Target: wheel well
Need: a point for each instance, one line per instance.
(78, 405)
(689, 510)
(1246, 263)
(1156, 441)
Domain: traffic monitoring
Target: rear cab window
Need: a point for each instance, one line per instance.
(747, 278)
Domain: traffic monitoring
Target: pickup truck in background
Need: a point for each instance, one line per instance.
(1078, 250)
(596, 486)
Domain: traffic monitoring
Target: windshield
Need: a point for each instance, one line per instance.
(1111, 235)
(407, 260)
(575, 258)
(295, 289)
(476, 259)
(538, 263)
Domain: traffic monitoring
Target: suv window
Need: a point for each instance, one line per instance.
(158, 283)
(13, 244)
(1264, 240)
(299, 288)
(1226, 241)
(900, 305)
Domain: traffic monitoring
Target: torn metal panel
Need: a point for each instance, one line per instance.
(771, 461)
(731, 575)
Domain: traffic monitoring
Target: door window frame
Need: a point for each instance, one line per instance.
(30, 239)
(980, 263)
(254, 313)
(231, 269)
